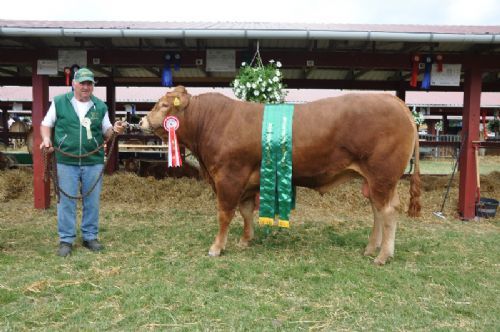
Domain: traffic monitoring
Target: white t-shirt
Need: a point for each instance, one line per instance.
(81, 109)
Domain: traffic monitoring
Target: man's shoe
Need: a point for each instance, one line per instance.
(64, 249)
(93, 245)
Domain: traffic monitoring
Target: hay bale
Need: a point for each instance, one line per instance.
(437, 182)
(15, 183)
(344, 204)
(168, 192)
(5, 162)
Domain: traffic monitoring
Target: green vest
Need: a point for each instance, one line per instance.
(70, 136)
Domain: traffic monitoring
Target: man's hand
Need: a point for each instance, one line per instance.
(47, 143)
(118, 127)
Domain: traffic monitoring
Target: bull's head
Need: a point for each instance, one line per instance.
(172, 103)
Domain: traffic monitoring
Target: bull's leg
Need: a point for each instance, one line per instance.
(246, 210)
(375, 239)
(219, 244)
(386, 216)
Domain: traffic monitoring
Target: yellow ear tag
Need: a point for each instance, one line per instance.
(177, 102)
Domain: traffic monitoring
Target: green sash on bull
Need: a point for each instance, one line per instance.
(277, 197)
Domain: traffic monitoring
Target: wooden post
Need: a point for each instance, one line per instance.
(401, 92)
(5, 126)
(470, 131)
(111, 101)
(40, 104)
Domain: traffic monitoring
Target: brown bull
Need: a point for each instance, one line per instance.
(372, 135)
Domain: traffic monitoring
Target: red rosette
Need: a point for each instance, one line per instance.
(171, 124)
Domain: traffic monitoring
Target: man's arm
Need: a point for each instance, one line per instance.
(117, 128)
(46, 133)
(46, 127)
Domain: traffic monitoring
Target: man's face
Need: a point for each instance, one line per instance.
(83, 90)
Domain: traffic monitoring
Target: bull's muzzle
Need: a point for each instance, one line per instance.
(144, 124)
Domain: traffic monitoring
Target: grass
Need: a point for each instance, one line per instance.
(445, 165)
(155, 273)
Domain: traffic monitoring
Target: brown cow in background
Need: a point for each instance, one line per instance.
(19, 127)
(372, 135)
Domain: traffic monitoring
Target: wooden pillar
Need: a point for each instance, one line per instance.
(470, 133)
(401, 93)
(40, 104)
(446, 124)
(112, 165)
(5, 125)
(431, 127)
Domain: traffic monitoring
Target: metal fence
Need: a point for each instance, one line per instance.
(440, 149)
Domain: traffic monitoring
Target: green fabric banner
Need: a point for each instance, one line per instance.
(277, 197)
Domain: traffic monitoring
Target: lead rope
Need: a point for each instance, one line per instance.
(50, 168)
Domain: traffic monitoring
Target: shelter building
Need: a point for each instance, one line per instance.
(397, 58)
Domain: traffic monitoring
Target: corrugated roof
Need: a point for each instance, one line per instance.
(405, 28)
(292, 40)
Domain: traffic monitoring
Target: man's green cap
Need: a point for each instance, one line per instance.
(84, 75)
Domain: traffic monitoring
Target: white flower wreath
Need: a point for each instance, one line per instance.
(259, 83)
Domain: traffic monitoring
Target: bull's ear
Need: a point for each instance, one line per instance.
(181, 97)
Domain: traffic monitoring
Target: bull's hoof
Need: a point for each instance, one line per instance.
(244, 243)
(214, 252)
(370, 251)
(381, 259)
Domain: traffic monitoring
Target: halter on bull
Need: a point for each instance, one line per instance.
(225, 136)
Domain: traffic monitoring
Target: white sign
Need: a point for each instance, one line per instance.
(46, 67)
(221, 60)
(450, 76)
(68, 58)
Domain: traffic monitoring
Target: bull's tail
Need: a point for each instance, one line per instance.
(415, 206)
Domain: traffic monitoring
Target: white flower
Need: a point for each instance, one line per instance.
(243, 64)
(259, 83)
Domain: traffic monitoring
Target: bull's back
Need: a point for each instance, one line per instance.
(335, 132)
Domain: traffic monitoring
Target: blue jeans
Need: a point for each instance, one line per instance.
(75, 180)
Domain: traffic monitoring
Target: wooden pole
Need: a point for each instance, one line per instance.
(112, 165)
(41, 188)
(470, 131)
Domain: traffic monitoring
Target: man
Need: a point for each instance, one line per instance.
(80, 122)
